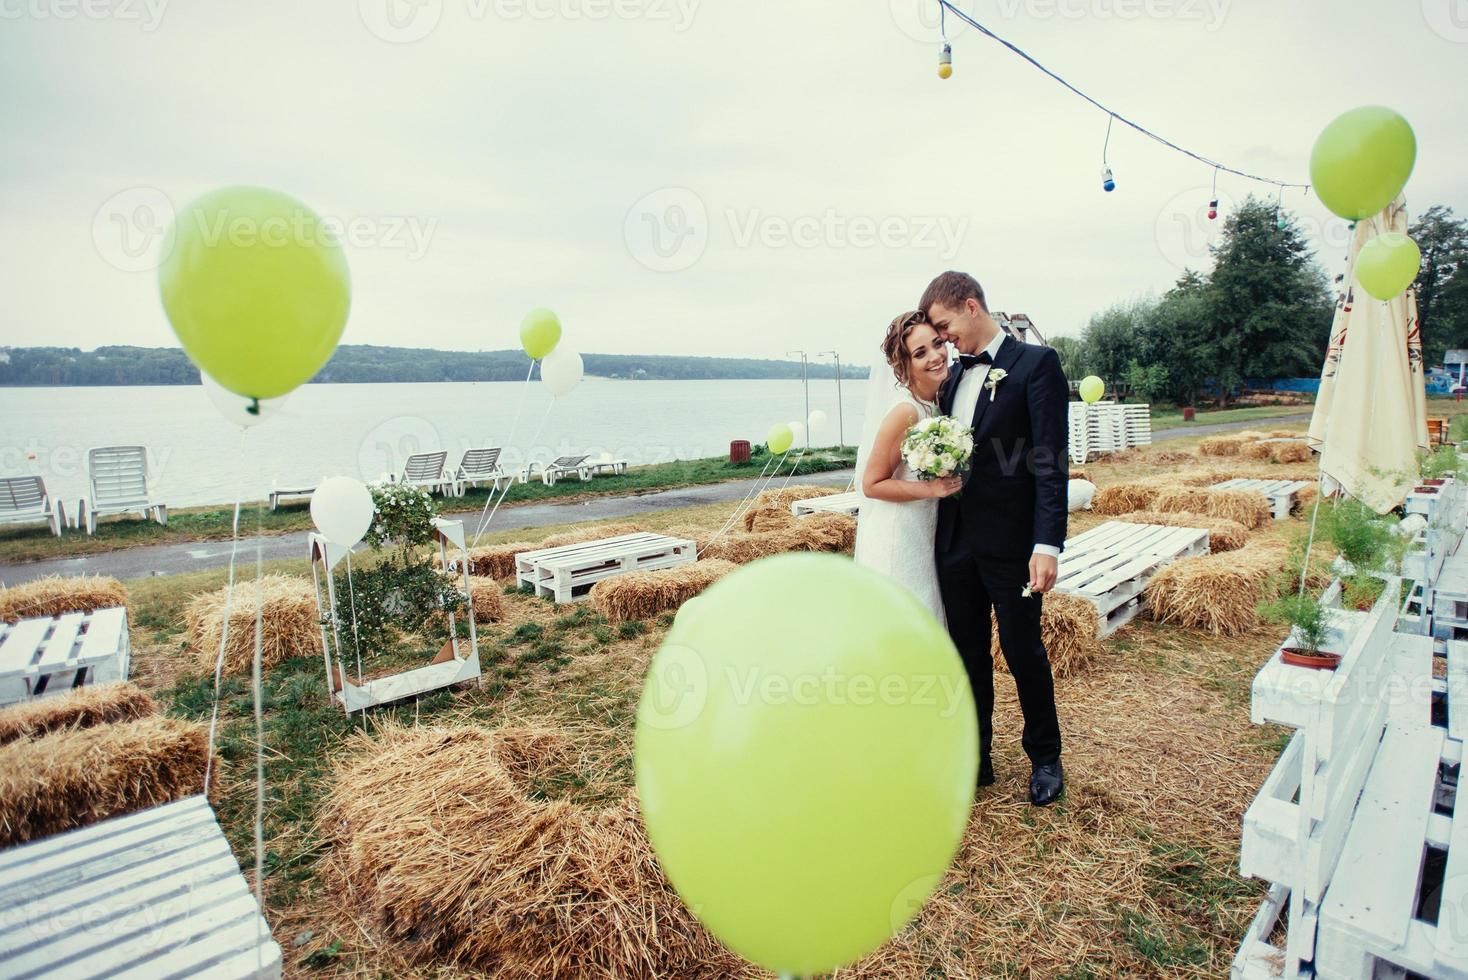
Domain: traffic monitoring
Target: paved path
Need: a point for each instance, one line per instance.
(193, 556)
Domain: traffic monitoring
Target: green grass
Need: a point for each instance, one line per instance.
(1168, 417)
(25, 544)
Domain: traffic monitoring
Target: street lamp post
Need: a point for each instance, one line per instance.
(840, 415)
(805, 381)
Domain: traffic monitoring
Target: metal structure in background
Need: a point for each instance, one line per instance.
(840, 419)
(805, 381)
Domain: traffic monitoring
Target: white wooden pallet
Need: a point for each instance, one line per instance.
(52, 655)
(1281, 494)
(151, 894)
(1449, 599)
(567, 573)
(839, 503)
(1111, 564)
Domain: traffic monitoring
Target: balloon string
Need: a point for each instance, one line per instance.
(514, 428)
(356, 642)
(760, 484)
(259, 733)
(738, 508)
(509, 483)
(234, 548)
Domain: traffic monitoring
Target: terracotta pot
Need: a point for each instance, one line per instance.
(1434, 482)
(1324, 660)
(1425, 490)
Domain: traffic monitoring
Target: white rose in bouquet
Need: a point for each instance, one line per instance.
(937, 447)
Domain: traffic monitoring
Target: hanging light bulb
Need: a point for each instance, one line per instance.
(1281, 221)
(1108, 183)
(945, 61)
(1213, 209)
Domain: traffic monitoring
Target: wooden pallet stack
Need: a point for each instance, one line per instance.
(54, 654)
(1111, 564)
(567, 573)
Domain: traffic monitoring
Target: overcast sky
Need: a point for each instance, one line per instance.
(682, 176)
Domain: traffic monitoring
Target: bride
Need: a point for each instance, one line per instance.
(900, 513)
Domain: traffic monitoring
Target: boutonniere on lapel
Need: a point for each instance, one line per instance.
(996, 375)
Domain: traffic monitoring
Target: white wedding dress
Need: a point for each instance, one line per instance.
(896, 539)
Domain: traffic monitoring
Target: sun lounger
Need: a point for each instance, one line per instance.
(118, 479)
(24, 500)
(276, 496)
(479, 466)
(564, 466)
(426, 470)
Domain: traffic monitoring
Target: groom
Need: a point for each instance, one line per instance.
(1004, 532)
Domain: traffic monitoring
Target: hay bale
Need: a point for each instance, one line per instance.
(1255, 450)
(1244, 506)
(1071, 630)
(640, 595)
(54, 595)
(828, 531)
(488, 599)
(493, 560)
(1305, 497)
(1080, 473)
(1223, 534)
(1291, 452)
(82, 707)
(1284, 434)
(288, 618)
(758, 519)
(436, 846)
(744, 548)
(1252, 435)
(1220, 446)
(77, 777)
(696, 533)
(1123, 498)
(585, 534)
(1216, 593)
(782, 498)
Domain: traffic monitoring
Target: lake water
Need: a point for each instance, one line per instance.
(363, 430)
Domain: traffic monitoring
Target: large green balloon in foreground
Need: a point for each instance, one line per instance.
(256, 288)
(806, 751)
(1362, 160)
(1388, 264)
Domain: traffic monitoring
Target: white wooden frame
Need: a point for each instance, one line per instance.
(149, 894)
(836, 503)
(24, 500)
(49, 656)
(1281, 494)
(1111, 564)
(567, 573)
(463, 666)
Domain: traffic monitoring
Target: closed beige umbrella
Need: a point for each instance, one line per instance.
(1371, 413)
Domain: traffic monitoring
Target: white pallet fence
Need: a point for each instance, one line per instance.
(52, 655)
(567, 573)
(1111, 564)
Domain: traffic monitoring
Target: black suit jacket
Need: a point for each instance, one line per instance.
(1014, 495)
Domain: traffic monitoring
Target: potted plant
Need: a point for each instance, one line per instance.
(1364, 539)
(1309, 624)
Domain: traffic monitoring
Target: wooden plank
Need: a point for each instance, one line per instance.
(22, 642)
(1457, 690)
(60, 647)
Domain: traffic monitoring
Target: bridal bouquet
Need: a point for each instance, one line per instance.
(937, 447)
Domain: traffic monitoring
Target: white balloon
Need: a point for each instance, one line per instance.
(236, 408)
(817, 422)
(342, 510)
(797, 431)
(1079, 494)
(561, 370)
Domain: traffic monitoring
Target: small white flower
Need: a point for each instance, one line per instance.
(1024, 593)
(996, 375)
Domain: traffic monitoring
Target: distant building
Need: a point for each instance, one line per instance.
(1022, 328)
(1455, 362)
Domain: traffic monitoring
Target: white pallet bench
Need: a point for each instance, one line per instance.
(1281, 494)
(156, 893)
(838, 503)
(1441, 507)
(567, 573)
(1449, 599)
(1111, 564)
(52, 655)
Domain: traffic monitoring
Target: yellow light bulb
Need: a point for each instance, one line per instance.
(945, 71)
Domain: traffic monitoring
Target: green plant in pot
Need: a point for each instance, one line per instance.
(1365, 540)
(1309, 624)
(1440, 465)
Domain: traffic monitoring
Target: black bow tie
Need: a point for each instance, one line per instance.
(970, 360)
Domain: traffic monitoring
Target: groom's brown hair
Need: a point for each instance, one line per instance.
(951, 289)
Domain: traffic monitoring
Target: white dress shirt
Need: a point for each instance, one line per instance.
(966, 402)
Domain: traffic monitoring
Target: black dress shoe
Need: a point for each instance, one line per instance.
(1047, 783)
(986, 772)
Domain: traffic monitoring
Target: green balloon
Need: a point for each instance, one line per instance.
(540, 331)
(1092, 388)
(1388, 264)
(256, 288)
(805, 754)
(779, 438)
(1362, 160)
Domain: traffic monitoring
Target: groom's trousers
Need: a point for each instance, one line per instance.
(970, 587)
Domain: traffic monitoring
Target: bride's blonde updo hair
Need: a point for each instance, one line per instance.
(894, 345)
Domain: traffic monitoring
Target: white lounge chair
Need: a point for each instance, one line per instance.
(479, 466)
(426, 470)
(23, 499)
(564, 466)
(118, 478)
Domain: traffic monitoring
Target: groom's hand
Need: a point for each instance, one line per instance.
(1042, 572)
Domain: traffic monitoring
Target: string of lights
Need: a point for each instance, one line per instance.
(945, 69)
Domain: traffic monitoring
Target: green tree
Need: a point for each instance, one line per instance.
(1441, 291)
(1114, 338)
(1072, 356)
(1179, 335)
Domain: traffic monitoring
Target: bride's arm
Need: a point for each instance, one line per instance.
(877, 482)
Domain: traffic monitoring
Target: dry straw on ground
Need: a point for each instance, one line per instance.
(1220, 446)
(782, 497)
(438, 847)
(1217, 593)
(829, 531)
(640, 595)
(821, 531)
(1284, 434)
(1071, 629)
(77, 777)
(1244, 506)
(493, 560)
(54, 595)
(1292, 452)
(768, 519)
(1255, 450)
(489, 599)
(289, 623)
(1223, 534)
(581, 535)
(1123, 498)
(82, 707)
